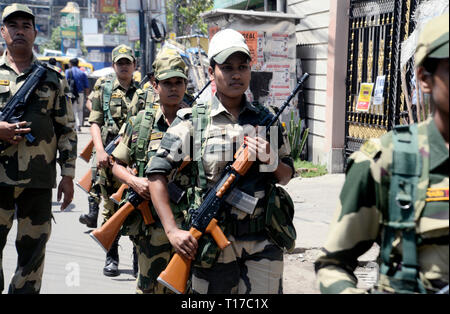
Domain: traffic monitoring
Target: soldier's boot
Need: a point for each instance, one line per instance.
(135, 263)
(90, 219)
(111, 268)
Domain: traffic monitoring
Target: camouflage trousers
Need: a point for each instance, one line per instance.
(154, 252)
(33, 211)
(105, 185)
(244, 267)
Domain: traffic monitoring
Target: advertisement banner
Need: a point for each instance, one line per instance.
(365, 96)
(70, 21)
(109, 6)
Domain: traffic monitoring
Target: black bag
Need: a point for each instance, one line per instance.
(72, 86)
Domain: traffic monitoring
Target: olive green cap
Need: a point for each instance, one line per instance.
(122, 51)
(168, 63)
(433, 40)
(16, 8)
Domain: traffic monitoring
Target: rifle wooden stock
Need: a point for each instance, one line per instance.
(106, 234)
(177, 271)
(86, 181)
(176, 274)
(86, 153)
(117, 197)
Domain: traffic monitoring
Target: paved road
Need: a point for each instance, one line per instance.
(74, 262)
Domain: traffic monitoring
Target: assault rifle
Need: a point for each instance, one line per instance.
(106, 234)
(177, 271)
(85, 182)
(15, 107)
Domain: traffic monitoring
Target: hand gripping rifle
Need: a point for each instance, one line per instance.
(106, 234)
(15, 107)
(177, 271)
(85, 182)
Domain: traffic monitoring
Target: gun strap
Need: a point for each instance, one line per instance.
(200, 116)
(143, 140)
(406, 171)
(107, 92)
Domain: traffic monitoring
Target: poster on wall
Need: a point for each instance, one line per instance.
(272, 45)
(109, 6)
(364, 98)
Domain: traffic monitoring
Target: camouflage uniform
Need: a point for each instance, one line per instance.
(28, 171)
(252, 263)
(153, 247)
(363, 208)
(119, 106)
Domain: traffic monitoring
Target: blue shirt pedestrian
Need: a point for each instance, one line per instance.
(81, 79)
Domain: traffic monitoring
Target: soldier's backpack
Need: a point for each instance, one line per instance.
(406, 170)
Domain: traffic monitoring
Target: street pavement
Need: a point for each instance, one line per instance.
(74, 261)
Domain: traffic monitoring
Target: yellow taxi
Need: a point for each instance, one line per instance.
(63, 63)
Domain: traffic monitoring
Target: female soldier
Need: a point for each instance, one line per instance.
(252, 263)
(143, 134)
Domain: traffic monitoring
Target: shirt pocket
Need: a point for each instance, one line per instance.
(218, 152)
(4, 95)
(116, 108)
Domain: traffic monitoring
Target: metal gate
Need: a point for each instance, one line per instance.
(376, 30)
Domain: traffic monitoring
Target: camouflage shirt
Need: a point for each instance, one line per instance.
(33, 165)
(126, 153)
(141, 97)
(119, 104)
(363, 209)
(223, 136)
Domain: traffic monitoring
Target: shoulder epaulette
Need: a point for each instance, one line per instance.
(184, 113)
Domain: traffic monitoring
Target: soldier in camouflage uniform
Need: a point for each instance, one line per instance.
(28, 170)
(106, 123)
(146, 129)
(253, 263)
(414, 254)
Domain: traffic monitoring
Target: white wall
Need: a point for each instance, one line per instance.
(312, 49)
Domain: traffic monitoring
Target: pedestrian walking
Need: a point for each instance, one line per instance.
(78, 81)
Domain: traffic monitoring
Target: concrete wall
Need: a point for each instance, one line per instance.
(312, 49)
(322, 48)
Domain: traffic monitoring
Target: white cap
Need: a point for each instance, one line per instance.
(226, 42)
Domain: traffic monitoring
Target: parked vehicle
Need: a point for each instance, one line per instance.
(63, 63)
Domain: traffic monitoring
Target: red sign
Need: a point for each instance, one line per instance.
(109, 6)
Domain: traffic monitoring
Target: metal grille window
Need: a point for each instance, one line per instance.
(376, 30)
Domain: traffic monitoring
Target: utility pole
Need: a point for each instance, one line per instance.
(143, 40)
(175, 17)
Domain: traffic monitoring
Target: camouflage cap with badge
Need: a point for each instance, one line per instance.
(168, 63)
(17, 9)
(433, 40)
(122, 51)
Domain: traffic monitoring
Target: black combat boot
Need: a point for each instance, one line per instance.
(90, 219)
(135, 262)
(111, 268)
